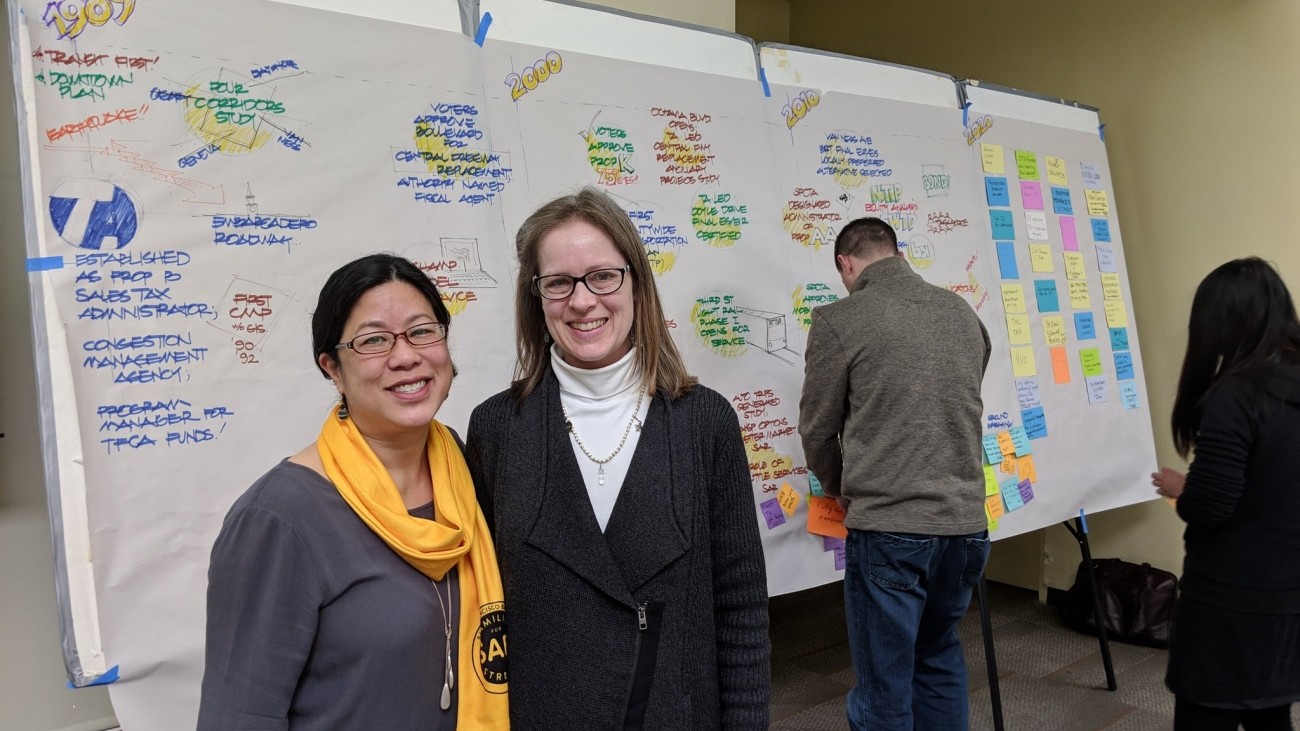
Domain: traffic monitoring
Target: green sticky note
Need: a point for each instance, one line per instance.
(1090, 359)
(1027, 165)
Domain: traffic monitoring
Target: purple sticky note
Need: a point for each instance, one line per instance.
(1069, 237)
(772, 513)
(1026, 491)
(1031, 193)
(839, 558)
(830, 543)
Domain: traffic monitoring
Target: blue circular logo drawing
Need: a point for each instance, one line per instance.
(93, 214)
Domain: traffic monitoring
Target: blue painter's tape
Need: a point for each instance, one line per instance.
(965, 115)
(1083, 521)
(762, 76)
(105, 679)
(1101, 132)
(483, 24)
(44, 263)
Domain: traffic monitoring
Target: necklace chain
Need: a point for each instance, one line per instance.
(600, 470)
(449, 677)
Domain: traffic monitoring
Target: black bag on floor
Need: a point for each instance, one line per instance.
(1137, 601)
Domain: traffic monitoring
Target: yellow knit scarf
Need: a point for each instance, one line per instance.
(459, 538)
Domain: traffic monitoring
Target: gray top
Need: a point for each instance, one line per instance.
(891, 407)
(314, 623)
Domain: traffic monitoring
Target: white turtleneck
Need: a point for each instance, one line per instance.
(600, 404)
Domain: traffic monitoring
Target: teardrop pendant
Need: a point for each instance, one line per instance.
(600, 475)
(446, 697)
(451, 674)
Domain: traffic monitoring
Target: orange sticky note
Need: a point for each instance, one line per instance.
(993, 504)
(1006, 444)
(1025, 469)
(1008, 466)
(826, 518)
(1060, 366)
(788, 498)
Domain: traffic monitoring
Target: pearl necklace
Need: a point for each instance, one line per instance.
(600, 471)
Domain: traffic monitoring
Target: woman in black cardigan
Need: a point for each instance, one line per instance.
(1235, 652)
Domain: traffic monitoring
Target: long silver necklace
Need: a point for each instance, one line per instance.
(449, 677)
(600, 470)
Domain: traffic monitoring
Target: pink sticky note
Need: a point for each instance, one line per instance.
(1031, 194)
(1069, 237)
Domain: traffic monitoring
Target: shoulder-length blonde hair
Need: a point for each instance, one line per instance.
(658, 361)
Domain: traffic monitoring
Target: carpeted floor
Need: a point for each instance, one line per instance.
(1051, 678)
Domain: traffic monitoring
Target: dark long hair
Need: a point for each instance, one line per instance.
(1243, 323)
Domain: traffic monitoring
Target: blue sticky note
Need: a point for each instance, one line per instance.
(1100, 229)
(992, 450)
(1123, 365)
(1007, 260)
(1002, 223)
(1045, 292)
(1011, 495)
(1035, 422)
(995, 189)
(1084, 328)
(1061, 205)
(1128, 395)
(815, 485)
(1020, 438)
(1119, 338)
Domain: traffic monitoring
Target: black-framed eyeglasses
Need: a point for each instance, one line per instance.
(599, 281)
(382, 341)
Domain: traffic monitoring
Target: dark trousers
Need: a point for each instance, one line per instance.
(1190, 717)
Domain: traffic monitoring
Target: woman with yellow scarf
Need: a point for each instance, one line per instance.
(355, 586)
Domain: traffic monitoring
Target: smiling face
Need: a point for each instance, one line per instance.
(591, 330)
(395, 393)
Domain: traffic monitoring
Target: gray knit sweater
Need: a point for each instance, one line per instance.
(891, 407)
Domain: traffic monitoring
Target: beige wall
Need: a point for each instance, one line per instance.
(719, 14)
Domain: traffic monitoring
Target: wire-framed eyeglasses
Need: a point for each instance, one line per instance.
(382, 341)
(599, 281)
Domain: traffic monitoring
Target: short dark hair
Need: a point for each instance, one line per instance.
(866, 238)
(1243, 322)
(349, 283)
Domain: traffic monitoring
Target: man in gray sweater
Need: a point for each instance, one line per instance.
(890, 422)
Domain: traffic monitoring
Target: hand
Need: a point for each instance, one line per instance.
(1169, 483)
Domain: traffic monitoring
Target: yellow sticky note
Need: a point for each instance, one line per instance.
(1110, 287)
(1018, 329)
(1022, 361)
(1013, 299)
(1054, 329)
(1098, 203)
(1006, 444)
(788, 498)
(991, 156)
(990, 481)
(993, 506)
(1116, 313)
(1056, 171)
(1079, 299)
(1074, 265)
(1040, 257)
(1025, 469)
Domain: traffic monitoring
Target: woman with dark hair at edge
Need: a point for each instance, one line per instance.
(1234, 656)
(354, 586)
(619, 495)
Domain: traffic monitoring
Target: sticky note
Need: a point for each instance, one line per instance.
(1027, 392)
(1007, 260)
(991, 449)
(1035, 422)
(1128, 395)
(788, 498)
(990, 481)
(815, 485)
(1105, 258)
(1074, 265)
(1079, 299)
(1060, 365)
(1091, 175)
(840, 559)
(1119, 338)
(1020, 440)
(991, 157)
(1045, 293)
(1090, 359)
(995, 190)
(1116, 313)
(993, 506)
(1110, 286)
(1022, 361)
(826, 518)
(1098, 203)
(1124, 365)
(1054, 330)
(1055, 170)
(1026, 489)
(1006, 444)
(1008, 466)
(772, 513)
(1084, 329)
(1069, 236)
(1098, 390)
(1011, 495)
(1018, 329)
(1026, 165)
(1100, 229)
(1031, 194)
(1061, 204)
(1025, 469)
(1002, 225)
(1036, 225)
(1013, 299)
(1040, 258)
(830, 543)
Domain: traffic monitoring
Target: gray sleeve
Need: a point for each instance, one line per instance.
(821, 408)
(263, 597)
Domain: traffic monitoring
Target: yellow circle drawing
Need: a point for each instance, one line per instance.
(662, 261)
(232, 123)
(717, 325)
(717, 219)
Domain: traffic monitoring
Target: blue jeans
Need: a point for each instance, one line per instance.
(904, 595)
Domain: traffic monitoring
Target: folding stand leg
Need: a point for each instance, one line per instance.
(1081, 535)
(990, 659)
